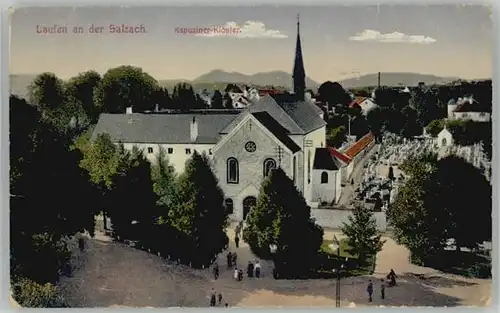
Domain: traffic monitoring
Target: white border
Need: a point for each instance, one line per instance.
(4, 122)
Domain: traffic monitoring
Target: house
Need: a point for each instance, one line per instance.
(467, 108)
(279, 130)
(242, 95)
(364, 104)
(444, 138)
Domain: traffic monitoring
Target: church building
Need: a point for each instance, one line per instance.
(279, 130)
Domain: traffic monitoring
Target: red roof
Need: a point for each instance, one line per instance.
(359, 145)
(354, 104)
(342, 157)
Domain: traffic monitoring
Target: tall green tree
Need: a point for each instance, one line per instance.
(362, 234)
(462, 187)
(80, 91)
(198, 212)
(126, 86)
(184, 97)
(282, 217)
(46, 92)
(164, 176)
(132, 210)
(419, 223)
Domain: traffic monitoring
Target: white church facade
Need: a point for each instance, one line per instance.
(282, 130)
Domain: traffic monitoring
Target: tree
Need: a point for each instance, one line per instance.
(198, 212)
(411, 126)
(46, 92)
(375, 119)
(333, 94)
(163, 99)
(184, 97)
(217, 102)
(362, 234)
(337, 136)
(435, 127)
(133, 198)
(126, 86)
(163, 174)
(462, 187)
(418, 222)
(42, 169)
(80, 91)
(282, 217)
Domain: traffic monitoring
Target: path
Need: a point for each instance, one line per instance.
(115, 275)
(357, 175)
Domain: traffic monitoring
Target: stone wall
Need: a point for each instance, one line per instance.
(328, 218)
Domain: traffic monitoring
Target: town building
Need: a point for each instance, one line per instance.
(467, 108)
(279, 130)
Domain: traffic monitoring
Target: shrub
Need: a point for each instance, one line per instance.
(30, 294)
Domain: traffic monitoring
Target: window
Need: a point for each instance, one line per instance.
(309, 166)
(269, 165)
(150, 150)
(229, 206)
(170, 150)
(232, 171)
(188, 151)
(294, 169)
(324, 178)
(210, 151)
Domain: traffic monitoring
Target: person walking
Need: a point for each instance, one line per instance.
(369, 289)
(81, 240)
(240, 274)
(250, 269)
(216, 270)
(382, 289)
(392, 278)
(234, 258)
(257, 269)
(237, 241)
(212, 298)
(229, 260)
(235, 274)
(219, 298)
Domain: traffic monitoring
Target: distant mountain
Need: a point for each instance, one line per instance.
(274, 78)
(395, 79)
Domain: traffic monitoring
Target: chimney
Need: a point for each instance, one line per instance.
(378, 80)
(129, 110)
(194, 129)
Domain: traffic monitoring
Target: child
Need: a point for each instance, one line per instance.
(257, 269)
(382, 289)
(369, 289)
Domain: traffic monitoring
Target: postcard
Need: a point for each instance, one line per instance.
(258, 157)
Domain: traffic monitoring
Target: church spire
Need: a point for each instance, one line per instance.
(299, 74)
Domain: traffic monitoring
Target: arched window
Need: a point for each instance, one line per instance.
(324, 178)
(444, 141)
(269, 165)
(233, 171)
(229, 205)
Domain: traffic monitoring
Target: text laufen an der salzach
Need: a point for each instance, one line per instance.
(91, 29)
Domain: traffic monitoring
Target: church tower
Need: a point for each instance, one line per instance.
(299, 74)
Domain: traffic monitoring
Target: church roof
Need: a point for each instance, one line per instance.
(298, 118)
(323, 160)
(162, 128)
(277, 130)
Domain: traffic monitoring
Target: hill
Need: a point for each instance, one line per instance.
(274, 78)
(395, 79)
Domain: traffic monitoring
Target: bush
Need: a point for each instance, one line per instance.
(30, 294)
(480, 270)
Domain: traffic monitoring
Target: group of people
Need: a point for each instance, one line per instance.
(216, 299)
(253, 270)
(392, 282)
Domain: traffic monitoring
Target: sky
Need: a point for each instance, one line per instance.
(337, 41)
